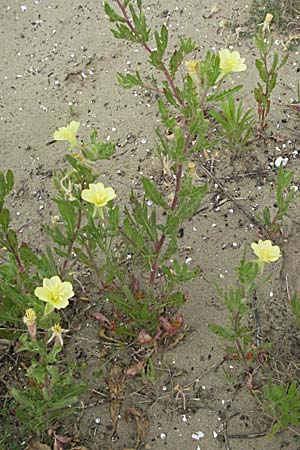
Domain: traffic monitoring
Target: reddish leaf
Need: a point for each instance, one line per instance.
(137, 368)
(144, 338)
(101, 318)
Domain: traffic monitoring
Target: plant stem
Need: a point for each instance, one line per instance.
(148, 50)
(16, 256)
(237, 342)
(71, 244)
(92, 259)
(159, 244)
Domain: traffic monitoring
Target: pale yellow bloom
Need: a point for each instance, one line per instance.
(192, 168)
(265, 251)
(98, 195)
(231, 62)
(68, 133)
(55, 293)
(267, 21)
(57, 332)
(55, 220)
(193, 70)
(192, 66)
(29, 317)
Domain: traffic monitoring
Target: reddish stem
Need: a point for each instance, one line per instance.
(159, 244)
(70, 247)
(14, 252)
(148, 49)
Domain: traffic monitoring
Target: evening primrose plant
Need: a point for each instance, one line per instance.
(50, 394)
(130, 250)
(268, 72)
(239, 336)
(286, 194)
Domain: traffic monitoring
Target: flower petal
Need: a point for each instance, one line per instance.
(43, 293)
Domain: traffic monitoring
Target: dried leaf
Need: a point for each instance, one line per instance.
(63, 439)
(142, 424)
(144, 338)
(170, 328)
(116, 385)
(108, 338)
(137, 368)
(249, 382)
(178, 339)
(80, 448)
(38, 446)
(101, 318)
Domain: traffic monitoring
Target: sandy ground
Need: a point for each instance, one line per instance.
(60, 53)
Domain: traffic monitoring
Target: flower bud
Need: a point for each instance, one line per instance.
(30, 320)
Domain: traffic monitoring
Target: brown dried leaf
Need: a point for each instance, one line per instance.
(142, 424)
(178, 339)
(80, 448)
(116, 385)
(108, 338)
(38, 446)
(205, 154)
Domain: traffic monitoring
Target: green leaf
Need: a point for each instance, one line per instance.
(81, 168)
(127, 80)
(283, 62)
(190, 203)
(153, 193)
(223, 332)
(266, 216)
(98, 150)
(68, 214)
(261, 70)
(112, 15)
(172, 224)
(221, 95)
(4, 219)
(9, 181)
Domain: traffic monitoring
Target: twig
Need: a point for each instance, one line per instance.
(247, 435)
(257, 319)
(251, 218)
(226, 442)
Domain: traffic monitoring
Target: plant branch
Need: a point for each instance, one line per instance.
(71, 244)
(159, 244)
(15, 253)
(148, 50)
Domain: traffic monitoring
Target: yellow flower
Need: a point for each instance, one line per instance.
(55, 293)
(192, 66)
(265, 251)
(68, 133)
(57, 332)
(231, 62)
(98, 195)
(193, 70)
(267, 21)
(192, 168)
(29, 317)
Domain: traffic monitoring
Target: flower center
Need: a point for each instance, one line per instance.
(56, 298)
(100, 199)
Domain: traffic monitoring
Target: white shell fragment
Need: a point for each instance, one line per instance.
(280, 161)
(198, 435)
